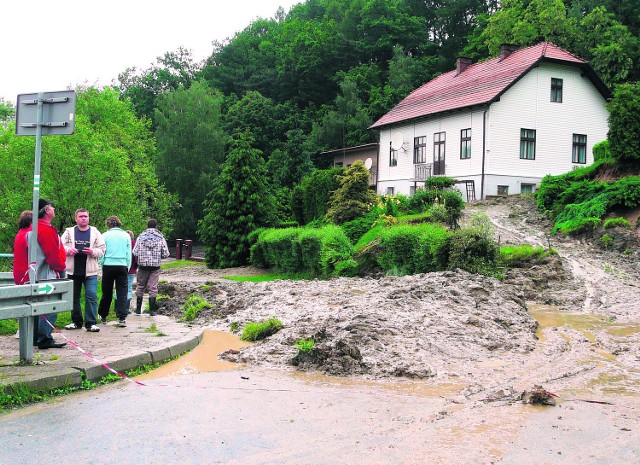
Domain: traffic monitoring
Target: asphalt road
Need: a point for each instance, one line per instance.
(273, 418)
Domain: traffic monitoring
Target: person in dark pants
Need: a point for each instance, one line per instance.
(150, 249)
(84, 246)
(115, 266)
(50, 264)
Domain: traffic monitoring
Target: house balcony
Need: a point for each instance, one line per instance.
(424, 171)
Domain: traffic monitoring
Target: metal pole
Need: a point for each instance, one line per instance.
(27, 326)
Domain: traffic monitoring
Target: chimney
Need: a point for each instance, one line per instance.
(506, 50)
(462, 63)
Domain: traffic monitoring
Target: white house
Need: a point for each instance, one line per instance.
(501, 125)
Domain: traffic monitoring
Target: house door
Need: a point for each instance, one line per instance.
(439, 139)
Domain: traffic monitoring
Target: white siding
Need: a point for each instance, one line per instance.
(525, 105)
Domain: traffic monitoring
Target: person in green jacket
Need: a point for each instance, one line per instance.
(115, 266)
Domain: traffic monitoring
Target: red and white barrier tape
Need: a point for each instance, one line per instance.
(91, 357)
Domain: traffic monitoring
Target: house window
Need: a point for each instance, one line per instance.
(579, 148)
(419, 150)
(439, 139)
(390, 191)
(465, 144)
(393, 157)
(556, 90)
(527, 188)
(528, 144)
(503, 190)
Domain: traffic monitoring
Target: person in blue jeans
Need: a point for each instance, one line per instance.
(84, 246)
(115, 263)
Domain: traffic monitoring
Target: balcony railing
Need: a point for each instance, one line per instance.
(422, 171)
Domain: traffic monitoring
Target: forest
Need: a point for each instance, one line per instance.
(173, 139)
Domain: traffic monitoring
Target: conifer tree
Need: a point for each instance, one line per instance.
(353, 198)
(239, 203)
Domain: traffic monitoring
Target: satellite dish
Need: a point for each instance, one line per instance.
(368, 163)
(397, 142)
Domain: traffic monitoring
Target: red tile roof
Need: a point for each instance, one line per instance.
(480, 83)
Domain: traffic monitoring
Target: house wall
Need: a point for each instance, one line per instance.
(525, 105)
(582, 111)
(347, 158)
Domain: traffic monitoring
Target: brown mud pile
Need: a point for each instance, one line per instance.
(450, 326)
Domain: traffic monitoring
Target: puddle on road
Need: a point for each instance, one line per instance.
(202, 359)
(549, 316)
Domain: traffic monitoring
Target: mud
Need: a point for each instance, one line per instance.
(565, 331)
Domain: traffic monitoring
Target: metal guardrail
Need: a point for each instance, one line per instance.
(32, 300)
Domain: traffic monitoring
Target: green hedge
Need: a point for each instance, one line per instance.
(317, 251)
(408, 249)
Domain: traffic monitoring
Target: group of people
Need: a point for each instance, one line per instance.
(81, 253)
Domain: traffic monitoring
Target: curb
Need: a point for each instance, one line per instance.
(65, 377)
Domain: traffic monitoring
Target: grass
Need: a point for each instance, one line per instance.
(20, 395)
(180, 264)
(258, 331)
(304, 346)
(194, 305)
(520, 254)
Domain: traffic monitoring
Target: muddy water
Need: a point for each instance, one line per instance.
(202, 359)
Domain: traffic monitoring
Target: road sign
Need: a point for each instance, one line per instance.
(58, 113)
(45, 289)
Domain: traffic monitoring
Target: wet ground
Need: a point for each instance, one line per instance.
(570, 325)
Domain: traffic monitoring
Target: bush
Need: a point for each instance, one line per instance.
(355, 229)
(615, 222)
(410, 249)
(258, 331)
(302, 249)
(439, 182)
(601, 151)
(624, 124)
(310, 199)
(353, 198)
(304, 345)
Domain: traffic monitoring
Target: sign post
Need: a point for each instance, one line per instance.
(41, 114)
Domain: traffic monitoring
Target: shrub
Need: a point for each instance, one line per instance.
(353, 198)
(411, 249)
(624, 124)
(472, 249)
(440, 182)
(614, 222)
(310, 199)
(355, 229)
(346, 268)
(601, 151)
(302, 249)
(258, 331)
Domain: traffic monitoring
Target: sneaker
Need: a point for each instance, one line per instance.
(93, 329)
(103, 320)
(72, 326)
(122, 324)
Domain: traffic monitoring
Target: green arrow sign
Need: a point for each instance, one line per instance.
(45, 289)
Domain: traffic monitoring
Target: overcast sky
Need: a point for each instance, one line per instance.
(48, 46)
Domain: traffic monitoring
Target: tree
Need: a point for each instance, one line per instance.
(190, 151)
(239, 203)
(105, 167)
(172, 71)
(353, 198)
(624, 125)
(6, 110)
(287, 166)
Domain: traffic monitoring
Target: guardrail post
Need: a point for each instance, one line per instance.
(187, 251)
